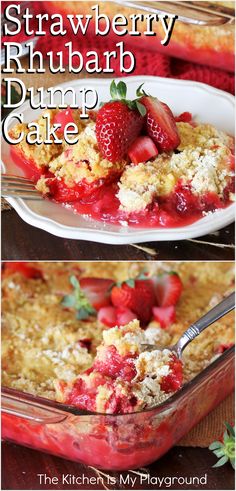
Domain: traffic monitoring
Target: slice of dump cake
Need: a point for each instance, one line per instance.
(134, 163)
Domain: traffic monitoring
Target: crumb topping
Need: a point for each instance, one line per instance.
(202, 161)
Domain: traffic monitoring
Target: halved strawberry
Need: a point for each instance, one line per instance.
(160, 124)
(23, 268)
(142, 150)
(63, 118)
(117, 126)
(168, 288)
(124, 316)
(108, 316)
(118, 123)
(97, 290)
(165, 315)
(138, 297)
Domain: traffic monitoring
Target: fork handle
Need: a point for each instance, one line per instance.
(206, 320)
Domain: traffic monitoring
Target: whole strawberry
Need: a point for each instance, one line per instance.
(136, 295)
(118, 123)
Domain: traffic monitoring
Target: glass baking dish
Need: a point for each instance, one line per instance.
(115, 442)
(204, 44)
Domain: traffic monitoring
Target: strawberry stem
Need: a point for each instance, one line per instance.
(119, 92)
(78, 301)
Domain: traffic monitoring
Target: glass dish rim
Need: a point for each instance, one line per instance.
(72, 410)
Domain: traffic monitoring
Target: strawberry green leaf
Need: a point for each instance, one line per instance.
(68, 301)
(130, 283)
(74, 281)
(215, 445)
(113, 90)
(140, 92)
(83, 313)
(141, 108)
(142, 276)
(221, 462)
(122, 90)
(219, 452)
(230, 428)
(225, 451)
(78, 301)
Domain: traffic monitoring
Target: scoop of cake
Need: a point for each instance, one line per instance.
(123, 378)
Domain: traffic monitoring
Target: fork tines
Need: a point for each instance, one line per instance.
(19, 187)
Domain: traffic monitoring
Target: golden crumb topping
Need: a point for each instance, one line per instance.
(83, 160)
(202, 161)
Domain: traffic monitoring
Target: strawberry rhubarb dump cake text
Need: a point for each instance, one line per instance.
(134, 163)
(75, 332)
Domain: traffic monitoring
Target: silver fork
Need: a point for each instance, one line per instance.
(197, 327)
(19, 187)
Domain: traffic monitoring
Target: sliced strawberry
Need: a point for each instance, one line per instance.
(112, 316)
(97, 290)
(124, 316)
(139, 298)
(165, 315)
(173, 381)
(142, 150)
(168, 288)
(185, 117)
(23, 268)
(160, 124)
(63, 118)
(108, 316)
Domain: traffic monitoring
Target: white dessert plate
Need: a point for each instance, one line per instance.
(208, 105)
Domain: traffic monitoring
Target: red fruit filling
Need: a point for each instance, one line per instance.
(173, 381)
(185, 117)
(84, 394)
(110, 363)
(64, 118)
(99, 201)
(223, 347)
(85, 343)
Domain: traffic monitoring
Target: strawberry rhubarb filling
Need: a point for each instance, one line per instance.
(123, 378)
(134, 163)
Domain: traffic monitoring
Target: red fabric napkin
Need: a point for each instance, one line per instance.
(147, 62)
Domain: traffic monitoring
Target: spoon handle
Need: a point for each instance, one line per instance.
(206, 320)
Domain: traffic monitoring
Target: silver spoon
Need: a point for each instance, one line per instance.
(197, 327)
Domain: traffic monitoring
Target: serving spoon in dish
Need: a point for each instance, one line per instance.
(197, 327)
